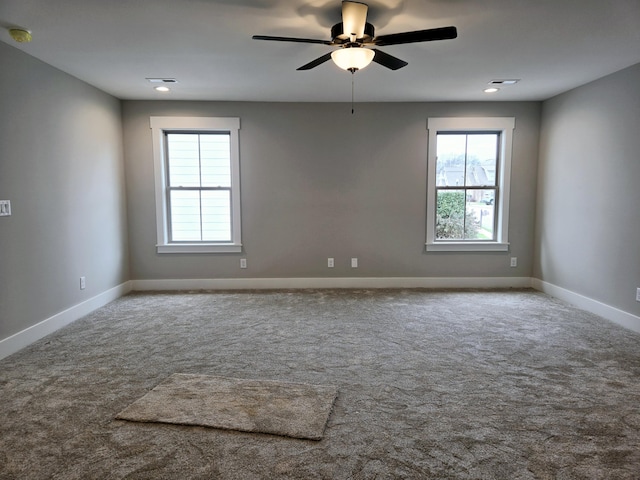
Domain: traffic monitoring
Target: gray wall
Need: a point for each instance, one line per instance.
(588, 225)
(318, 182)
(61, 166)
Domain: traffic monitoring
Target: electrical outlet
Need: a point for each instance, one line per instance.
(5, 208)
(354, 263)
(243, 263)
(514, 261)
(330, 262)
(637, 294)
(83, 283)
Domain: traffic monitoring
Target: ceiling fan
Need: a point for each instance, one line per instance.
(354, 36)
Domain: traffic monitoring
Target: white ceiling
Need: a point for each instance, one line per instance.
(551, 45)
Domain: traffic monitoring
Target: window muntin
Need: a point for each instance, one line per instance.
(469, 168)
(197, 184)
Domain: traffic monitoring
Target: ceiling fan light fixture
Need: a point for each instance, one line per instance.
(352, 58)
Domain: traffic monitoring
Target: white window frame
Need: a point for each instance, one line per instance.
(504, 125)
(159, 127)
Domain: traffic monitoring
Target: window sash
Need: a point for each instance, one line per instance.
(208, 165)
(213, 221)
(470, 216)
(466, 151)
(187, 218)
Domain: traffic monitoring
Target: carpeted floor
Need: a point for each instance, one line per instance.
(432, 384)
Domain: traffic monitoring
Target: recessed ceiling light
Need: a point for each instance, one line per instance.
(491, 90)
(161, 89)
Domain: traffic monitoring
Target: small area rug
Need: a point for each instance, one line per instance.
(279, 408)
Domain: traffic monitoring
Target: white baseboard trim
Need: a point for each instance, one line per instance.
(330, 282)
(29, 335)
(615, 315)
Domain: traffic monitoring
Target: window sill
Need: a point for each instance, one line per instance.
(467, 247)
(200, 248)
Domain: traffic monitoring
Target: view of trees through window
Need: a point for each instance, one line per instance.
(466, 185)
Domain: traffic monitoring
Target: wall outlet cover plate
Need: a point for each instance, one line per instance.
(5, 208)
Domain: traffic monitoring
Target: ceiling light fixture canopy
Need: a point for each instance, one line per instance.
(352, 58)
(20, 35)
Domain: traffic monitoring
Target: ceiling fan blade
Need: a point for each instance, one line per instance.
(316, 62)
(354, 18)
(292, 39)
(443, 33)
(387, 60)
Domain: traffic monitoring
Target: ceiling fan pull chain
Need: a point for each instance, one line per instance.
(352, 75)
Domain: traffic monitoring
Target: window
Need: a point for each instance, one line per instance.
(197, 175)
(469, 167)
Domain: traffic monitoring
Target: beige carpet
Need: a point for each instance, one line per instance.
(280, 408)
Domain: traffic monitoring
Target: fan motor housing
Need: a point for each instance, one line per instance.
(338, 35)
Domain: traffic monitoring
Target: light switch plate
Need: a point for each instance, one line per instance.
(5, 208)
